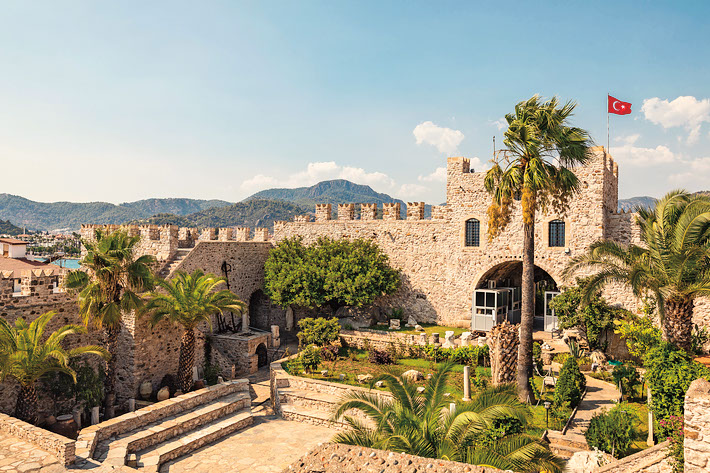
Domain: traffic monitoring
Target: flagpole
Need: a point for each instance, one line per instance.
(608, 151)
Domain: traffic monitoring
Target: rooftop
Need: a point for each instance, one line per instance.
(24, 264)
(12, 241)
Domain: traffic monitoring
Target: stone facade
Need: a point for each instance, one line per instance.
(697, 427)
(439, 270)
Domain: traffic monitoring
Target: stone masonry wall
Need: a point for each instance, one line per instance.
(697, 427)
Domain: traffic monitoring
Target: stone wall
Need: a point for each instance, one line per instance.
(651, 460)
(61, 447)
(238, 351)
(336, 458)
(697, 427)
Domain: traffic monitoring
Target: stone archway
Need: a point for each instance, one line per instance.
(262, 355)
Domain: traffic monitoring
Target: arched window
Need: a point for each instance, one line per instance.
(473, 232)
(557, 233)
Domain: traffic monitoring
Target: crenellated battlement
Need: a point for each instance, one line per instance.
(31, 286)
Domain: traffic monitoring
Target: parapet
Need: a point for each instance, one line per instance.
(302, 218)
(391, 211)
(368, 211)
(18, 286)
(346, 211)
(440, 212)
(169, 237)
(324, 212)
(415, 210)
(458, 164)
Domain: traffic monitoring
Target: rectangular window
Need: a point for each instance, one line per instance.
(473, 232)
(557, 233)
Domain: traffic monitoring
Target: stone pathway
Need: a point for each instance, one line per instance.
(600, 395)
(270, 445)
(19, 456)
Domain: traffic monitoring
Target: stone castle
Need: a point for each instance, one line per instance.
(442, 261)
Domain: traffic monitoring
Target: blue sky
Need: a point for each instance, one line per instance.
(119, 101)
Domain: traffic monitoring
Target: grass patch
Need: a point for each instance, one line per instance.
(428, 329)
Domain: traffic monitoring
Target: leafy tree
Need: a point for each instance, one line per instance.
(310, 358)
(612, 432)
(627, 377)
(484, 431)
(541, 147)
(332, 273)
(570, 384)
(671, 266)
(640, 333)
(187, 300)
(319, 332)
(669, 372)
(108, 287)
(26, 356)
(593, 316)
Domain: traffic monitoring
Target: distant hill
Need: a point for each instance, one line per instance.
(634, 202)
(70, 215)
(7, 228)
(253, 213)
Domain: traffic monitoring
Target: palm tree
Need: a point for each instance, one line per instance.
(422, 424)
(26, 357)
(108, 284)
(541, 146)
(672, 265)
(189, 299)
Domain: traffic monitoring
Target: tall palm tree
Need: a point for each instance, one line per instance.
(108, 283)
(541, 146)
(672, 265)
(27, 357)
(188, 300)
(422, 424)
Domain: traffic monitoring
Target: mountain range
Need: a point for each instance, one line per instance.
(260, 209)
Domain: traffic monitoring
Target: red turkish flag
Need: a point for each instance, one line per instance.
(618, 107)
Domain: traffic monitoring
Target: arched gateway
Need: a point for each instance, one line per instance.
(496, 297)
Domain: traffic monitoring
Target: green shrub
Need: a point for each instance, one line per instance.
(537, 355)
(570, 384)
(639, 333)
(628, 377)
(669, 372)
(611, 432)
(561, 358)
(310, 358)
(380, 357)
(673, 426)
(594, 317)
(320, 331)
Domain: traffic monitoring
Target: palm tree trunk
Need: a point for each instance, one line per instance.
(111, 334)
(187, 360)
(527, 314)
(678, 322)
(26, 406)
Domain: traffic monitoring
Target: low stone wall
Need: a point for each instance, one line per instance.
(61, 447)
(237, 351)
(336, 458)
(91, 436)
(651, 460)
(380, 340)
(697, 427)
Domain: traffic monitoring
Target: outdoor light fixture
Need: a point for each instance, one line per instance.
(547, 405)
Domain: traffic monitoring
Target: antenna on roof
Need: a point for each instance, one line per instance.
(494, 146)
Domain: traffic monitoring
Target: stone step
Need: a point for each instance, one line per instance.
(152, 458)
(310, 416)
(568, 439)
(565, 451)
(171, 427)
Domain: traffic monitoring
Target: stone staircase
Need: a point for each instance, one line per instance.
(564, 446)
(308, 406)
(174, 262)
(165, 431)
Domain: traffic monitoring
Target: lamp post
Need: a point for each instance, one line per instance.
(547, 405)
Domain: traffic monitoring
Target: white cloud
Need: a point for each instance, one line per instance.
(501, 123)
(446, 140)
(635, 156)
(439, 175)
(629, 139)
(408, 191)
(317, 172)
(685, 111)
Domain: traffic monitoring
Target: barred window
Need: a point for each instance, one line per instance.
(557, 233)
(473, 232)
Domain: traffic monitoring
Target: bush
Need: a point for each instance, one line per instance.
(537, 355)
(309, 358)
(593, 317)
(330, 352)
(471, 355)
(319, 332)
(380, 357)
(611, 432)
(628, 377)
(669, 372)
(640, 334)
(570, 384)
(673, 427)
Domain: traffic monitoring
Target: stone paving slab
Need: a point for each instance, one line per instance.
(270, 445)
(19, 456)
